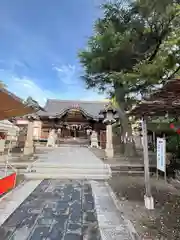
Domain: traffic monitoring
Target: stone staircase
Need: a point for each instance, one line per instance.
(131, 169)
(42, 170)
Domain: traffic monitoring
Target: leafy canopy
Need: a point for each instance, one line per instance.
(134, 47)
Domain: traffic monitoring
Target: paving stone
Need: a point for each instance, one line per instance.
(87, 188)
(76, 195)
(51, 205)
(16, 218)
(73, 236)
(62, 221)
(45, 221)
(54, 211)
(40, 233)
(88, 206)
(6, 233)
(56, 233)
(75, 216)
(88, 197)
(76, 212)
(32, 203)
(90, 217)
(74, 226)
(61, 205)
(29, 221)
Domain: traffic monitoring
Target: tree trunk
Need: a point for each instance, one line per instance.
(126, 136)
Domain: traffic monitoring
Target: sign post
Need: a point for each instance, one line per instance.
(161, 156)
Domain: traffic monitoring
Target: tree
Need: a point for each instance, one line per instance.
(33, 103)
(2, 85)
(135, 46)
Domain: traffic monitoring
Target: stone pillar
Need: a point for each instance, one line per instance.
(29, 146)
(37, 128)
(109, 141)
(108, 113)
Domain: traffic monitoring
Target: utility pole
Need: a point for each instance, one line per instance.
(148, 199)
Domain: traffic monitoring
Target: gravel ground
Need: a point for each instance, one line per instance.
(161, 223)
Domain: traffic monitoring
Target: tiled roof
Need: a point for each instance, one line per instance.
(58, 107)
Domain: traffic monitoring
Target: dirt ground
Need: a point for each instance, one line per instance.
(163, 222)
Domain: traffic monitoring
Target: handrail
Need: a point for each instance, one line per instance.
(30, 165)
(7, 162)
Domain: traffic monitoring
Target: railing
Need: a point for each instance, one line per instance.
(7, 161)
(8, 182)
(7, 164)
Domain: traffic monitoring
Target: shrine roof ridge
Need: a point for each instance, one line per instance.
(77, 100)
(56, 107)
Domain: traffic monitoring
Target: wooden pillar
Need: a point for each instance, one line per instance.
(148, 199)
(154, 141)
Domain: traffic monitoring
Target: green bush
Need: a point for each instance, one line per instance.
(173, 146)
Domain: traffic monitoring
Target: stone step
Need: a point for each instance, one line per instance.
(71, 170)
(69, 166)
(133, 173)
(131, 168)
(127, 168)
(38, 176)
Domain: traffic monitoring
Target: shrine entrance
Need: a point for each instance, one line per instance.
(75, 130)
(74, 124)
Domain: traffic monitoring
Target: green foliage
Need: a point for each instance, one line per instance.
(32, 103)
(135, 46)
(173, 146)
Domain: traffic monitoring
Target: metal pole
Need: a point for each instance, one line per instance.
(165, 174)
(149, 202)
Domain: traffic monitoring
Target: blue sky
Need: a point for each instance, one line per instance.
(39, 43)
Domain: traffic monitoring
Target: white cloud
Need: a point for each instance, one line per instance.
(24, 87)
(67, 74)
(92, 96)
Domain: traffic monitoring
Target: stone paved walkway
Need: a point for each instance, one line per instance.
(66, 209)
(55, 210)
(72, 155)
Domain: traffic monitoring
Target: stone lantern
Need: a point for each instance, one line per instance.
(108, 113)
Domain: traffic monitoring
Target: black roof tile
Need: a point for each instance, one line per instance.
(56, 107)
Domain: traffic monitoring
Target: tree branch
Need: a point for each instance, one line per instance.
(155, 51)
(161, 37)
(172, 75)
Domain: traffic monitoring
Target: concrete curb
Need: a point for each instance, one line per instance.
(111, 223)
(132, 231)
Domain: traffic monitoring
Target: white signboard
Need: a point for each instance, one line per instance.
(161, 154)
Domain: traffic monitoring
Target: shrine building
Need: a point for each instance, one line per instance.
(69, 118)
